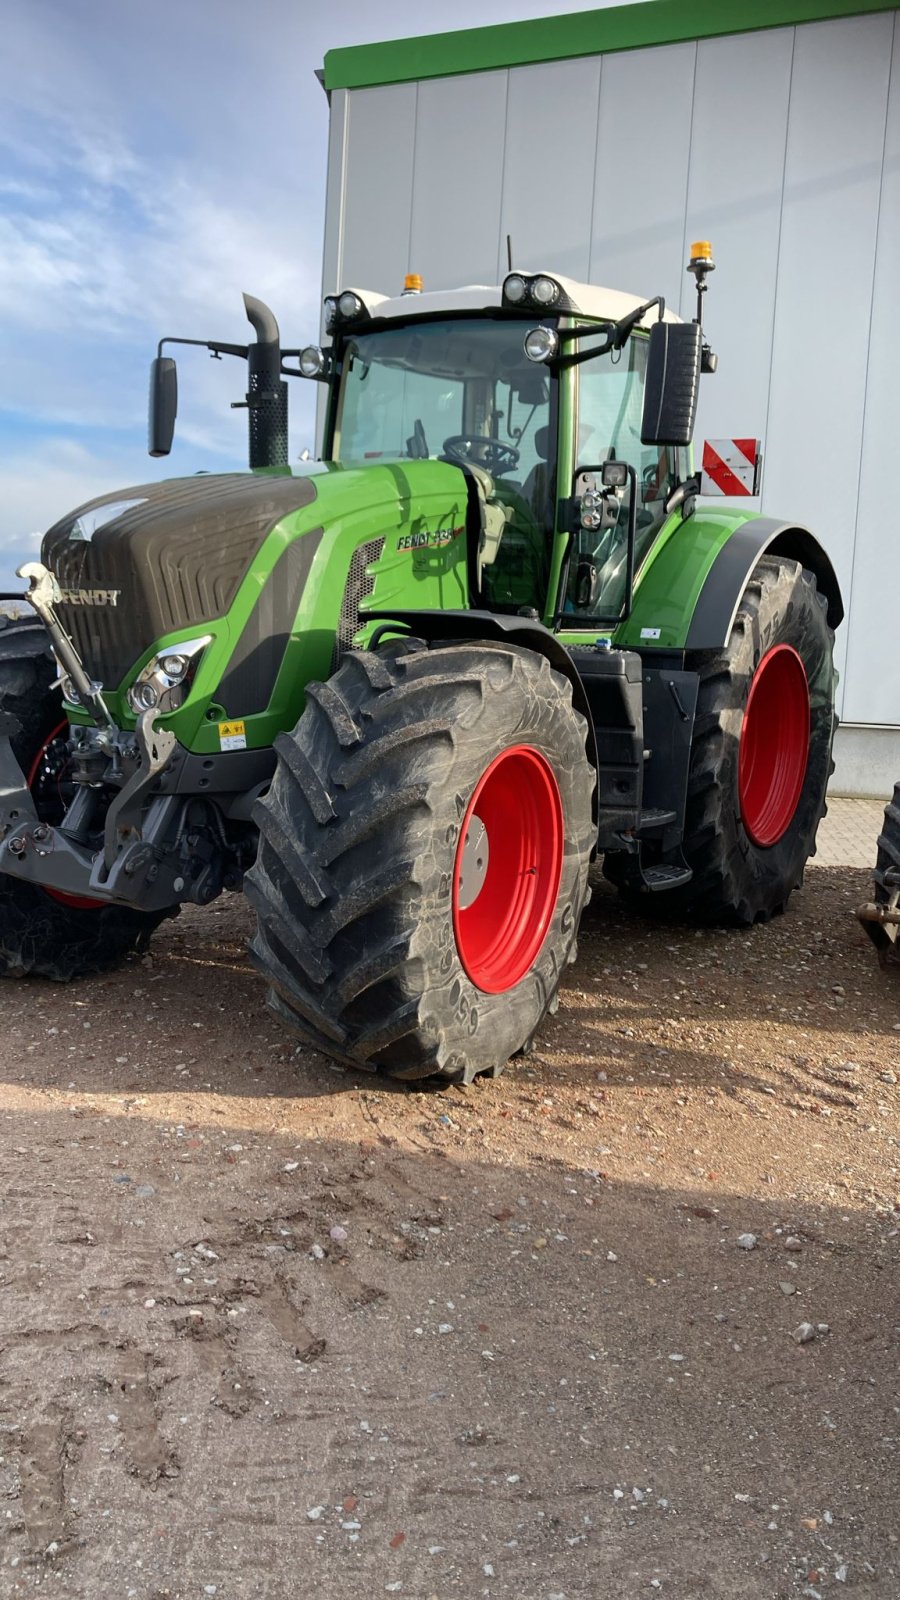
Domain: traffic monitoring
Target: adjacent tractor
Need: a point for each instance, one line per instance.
(406, 694)
(881, 916)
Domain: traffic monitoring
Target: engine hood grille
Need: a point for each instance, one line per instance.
(164, 556)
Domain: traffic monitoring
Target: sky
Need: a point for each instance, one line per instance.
(156, 159)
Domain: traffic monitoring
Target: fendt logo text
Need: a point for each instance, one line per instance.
(91, 597)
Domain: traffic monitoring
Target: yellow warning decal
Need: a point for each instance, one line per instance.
(232, 736)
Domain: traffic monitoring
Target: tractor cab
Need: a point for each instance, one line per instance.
(533, 388)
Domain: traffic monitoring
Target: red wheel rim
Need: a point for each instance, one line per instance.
(774, 748)
(33, 779)
(504, 896)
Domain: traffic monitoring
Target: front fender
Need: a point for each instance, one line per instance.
(450, 627)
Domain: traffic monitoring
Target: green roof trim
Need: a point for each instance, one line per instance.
(582, 33)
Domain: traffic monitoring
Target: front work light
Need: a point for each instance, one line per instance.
(350, 305)
(541, 344)
(312, 361)
(521, 290)
(545, 291)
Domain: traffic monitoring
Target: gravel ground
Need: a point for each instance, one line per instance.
(268, 1329)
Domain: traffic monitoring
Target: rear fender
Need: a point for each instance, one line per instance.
(714, 613)
(689, 589)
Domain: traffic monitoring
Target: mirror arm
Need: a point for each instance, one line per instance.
(562, 363)
(214, 345)
(626, 326)
(616, 335)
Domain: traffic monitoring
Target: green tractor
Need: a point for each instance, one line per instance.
(406, 694)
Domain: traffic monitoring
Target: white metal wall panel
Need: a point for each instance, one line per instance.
(378, 186)
(775, 145)
(548, 171)
(734, 199)
(457, 179)
(334, 187)
(832, 183)
(873, 673)
(334, 218)
(643, 147)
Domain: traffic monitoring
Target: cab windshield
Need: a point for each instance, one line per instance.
(427, 388)
(461, 390)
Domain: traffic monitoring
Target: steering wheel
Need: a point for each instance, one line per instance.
(482, 450)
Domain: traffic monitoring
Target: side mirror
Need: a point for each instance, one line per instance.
(163, 405)
(671, 384)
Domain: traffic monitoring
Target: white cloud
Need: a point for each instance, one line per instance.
(158, 160)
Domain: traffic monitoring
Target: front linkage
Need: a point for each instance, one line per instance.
(146, 825)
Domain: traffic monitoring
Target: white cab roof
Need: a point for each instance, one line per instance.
(604, 305)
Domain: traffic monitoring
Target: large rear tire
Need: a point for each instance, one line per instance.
(761, 755)
(423, 859)
(43, 933)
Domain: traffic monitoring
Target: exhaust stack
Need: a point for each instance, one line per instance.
(267, 393)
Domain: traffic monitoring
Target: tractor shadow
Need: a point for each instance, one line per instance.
(646, 1003)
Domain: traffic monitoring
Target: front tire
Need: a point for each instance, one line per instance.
(761, 755)
(43, 933)
(423, 859)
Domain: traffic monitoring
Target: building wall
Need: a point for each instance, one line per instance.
(783, 148)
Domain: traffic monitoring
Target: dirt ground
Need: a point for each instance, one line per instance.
(268, 1329)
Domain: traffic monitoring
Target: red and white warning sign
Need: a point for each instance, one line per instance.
(731, 466)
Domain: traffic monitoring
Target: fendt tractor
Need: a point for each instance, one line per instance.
(405, 694)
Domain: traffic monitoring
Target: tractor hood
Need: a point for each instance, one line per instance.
(143, 563)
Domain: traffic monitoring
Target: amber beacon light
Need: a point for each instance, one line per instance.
(701, 257)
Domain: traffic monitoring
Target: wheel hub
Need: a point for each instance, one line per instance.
(473, 863)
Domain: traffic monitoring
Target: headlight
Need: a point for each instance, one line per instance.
(545, 291)
(174, 666)
(165, 680)
(144, 696)
(350, 305)
(541, 344)
(331, 311)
